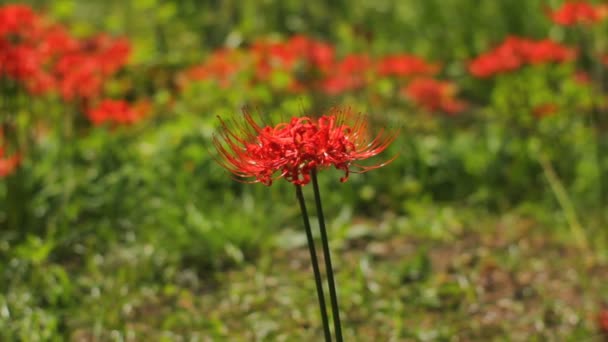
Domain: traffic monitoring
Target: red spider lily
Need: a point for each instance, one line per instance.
(434, 95)
(602, 321)
(318, 54)
(8, 164)
(17, 19)
(346, 75)
(271, 56)
(45, 57)
(405, 65)
(575, 13)
(293, 149)
(78, 77)
(298, 51)
(516, 52)
(221, 66)
(117, 112)
(545, 110)
(111, 53)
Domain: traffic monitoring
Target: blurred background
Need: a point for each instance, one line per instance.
(116, 223)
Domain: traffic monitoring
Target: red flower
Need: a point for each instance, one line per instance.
(221, 66)
(348, 74)
(545, 110)
(574, 13)
(545, 51)
(17, 19)
(78, 76)
(602, 320)
(405, 65)
(8, 164)
(292, 150)
(516, 52)
(434, 95)
(42, 56)
(117, 112)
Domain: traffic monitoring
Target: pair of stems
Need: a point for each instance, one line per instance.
(315, 263)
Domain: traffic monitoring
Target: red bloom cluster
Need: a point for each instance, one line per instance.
(516, 52)
(303, 54)
(8, 164)
(222, 65)
(545, 110)
(117, 112)
(347, 74)
(575, 13)
(602, 320)
(298, 51)
(405, 66)
(292, 150)
(434, 95)
(44, 57)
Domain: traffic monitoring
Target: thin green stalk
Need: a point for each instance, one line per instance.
(327, 256)
(315, 264)
(565, 203)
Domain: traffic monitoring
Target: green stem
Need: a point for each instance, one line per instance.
(315, 264)
(565, 203)
(327, 256)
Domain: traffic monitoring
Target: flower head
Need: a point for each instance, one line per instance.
(117, 112)
(602, 320)
(576, 12)
(516, 52)
(405, 65)
(545, 110)
(434, 95)
(293, 149)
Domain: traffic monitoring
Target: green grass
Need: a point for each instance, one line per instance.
(459, 276)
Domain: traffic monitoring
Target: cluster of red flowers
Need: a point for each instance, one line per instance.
(578, 12)
(434, 95)
(117, 112)
(516, 52)
(45, 57)
(603, 321)
(294, 149)
(545, 110)
(300, 55)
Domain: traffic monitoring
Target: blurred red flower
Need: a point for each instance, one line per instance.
(347, 74)
(292, 150)
(545, 110)
(222, 66)
(117, 112)
(18, 19)
(602, 320)
(45, 57)
(434, 95)
(405, 65)
(574, 13)
(516, 52)
(8, 164)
